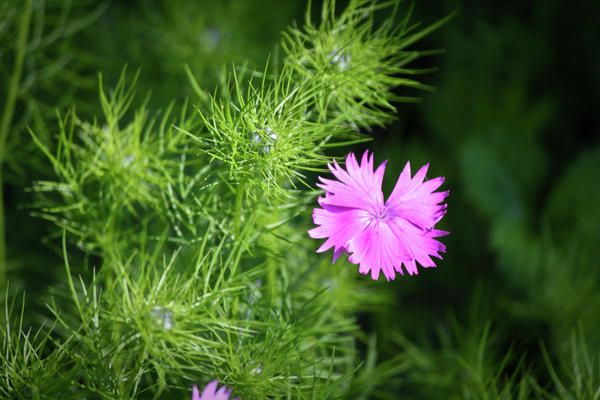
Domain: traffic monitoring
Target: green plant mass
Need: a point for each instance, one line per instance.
(173, 175)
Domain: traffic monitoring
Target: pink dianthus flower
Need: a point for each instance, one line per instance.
(210, 392)
(380, 235)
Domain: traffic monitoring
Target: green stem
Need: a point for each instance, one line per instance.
(7, 117)
(237, 216)
(272, 281)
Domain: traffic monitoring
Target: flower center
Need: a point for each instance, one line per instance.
(378, 215)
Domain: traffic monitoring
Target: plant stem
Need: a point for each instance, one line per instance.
(237, 216)
(272, 280)
(7, 117)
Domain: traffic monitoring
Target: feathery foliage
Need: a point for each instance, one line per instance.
(192, 217)
(157, 160)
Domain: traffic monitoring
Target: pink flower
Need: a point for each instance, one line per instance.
(380, 235)
(210, 392)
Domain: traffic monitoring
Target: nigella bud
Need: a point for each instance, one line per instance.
(265, 141)
(257, 369)
(127, 161)
(163, 317)
(339, 58)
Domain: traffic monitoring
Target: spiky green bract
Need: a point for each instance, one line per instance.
(31, 367)
(355, 65)
(114, 175)
(266, 136)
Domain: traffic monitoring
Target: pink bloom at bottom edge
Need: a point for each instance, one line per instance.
(380, 235)
(210, 392)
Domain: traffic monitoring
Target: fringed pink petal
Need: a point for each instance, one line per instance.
(381, 237)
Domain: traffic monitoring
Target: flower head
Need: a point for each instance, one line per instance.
(210, 392)
(380, 235)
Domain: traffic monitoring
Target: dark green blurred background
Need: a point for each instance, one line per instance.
(512, 125)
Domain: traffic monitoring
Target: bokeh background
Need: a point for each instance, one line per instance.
(512, 125)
